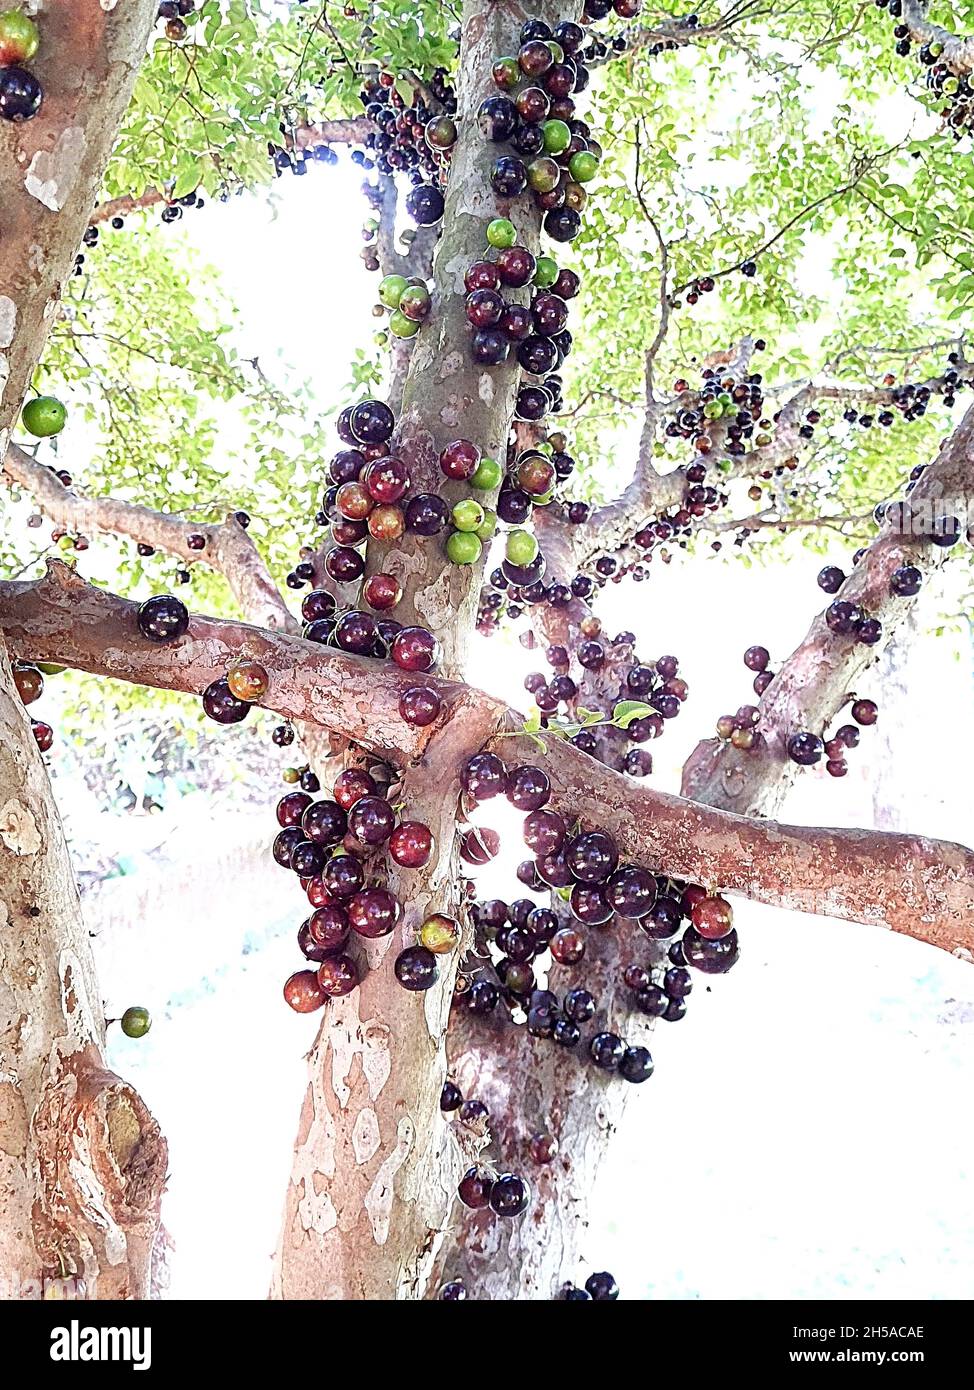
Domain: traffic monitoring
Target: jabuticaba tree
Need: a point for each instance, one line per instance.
(551, 277)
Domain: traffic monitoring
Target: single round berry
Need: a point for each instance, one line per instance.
(304, 993)
(411, 844)
(44, 415)
(509, 1195)
(712, 917)
(21, 94)
(440, 934)
(248, 680)
(601, 1287)
(416, 968)
(162, 618)
(221, 705)
(136, 1020)
(338, 975)
(475, 1185)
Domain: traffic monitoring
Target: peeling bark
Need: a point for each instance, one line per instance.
(82, 1162)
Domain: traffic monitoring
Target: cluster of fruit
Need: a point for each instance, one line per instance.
(171, 13)
(21, 94)
(29, 683)
(950, 85)
(336, 846)
(599, 1288)
(582, 867)
(416, 139)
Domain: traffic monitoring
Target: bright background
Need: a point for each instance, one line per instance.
(808, 1130)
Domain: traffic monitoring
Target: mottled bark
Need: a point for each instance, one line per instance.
(82, 1162)
(408, 1164)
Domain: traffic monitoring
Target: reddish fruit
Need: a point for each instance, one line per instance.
(304, 993)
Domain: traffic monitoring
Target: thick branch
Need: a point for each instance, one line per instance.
(819, 676)
(958, 52)
(227, 549)
(63, 619)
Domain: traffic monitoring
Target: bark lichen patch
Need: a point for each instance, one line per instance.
(13, 1118)
(378, 1200)
(8, 320)
(19, 831)
(52, 174)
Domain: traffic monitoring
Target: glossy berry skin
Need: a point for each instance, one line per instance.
(247, 680)
(484, 308)
(602, 1287)
(451, 1097)
(590, 905)
(831, 579)
(567, 946)
(712, 917)
(328, 928)
(592, 857)
(607, 1051)
(905, 581)
(636, 1065)
(497, 118)
(324, 822)
(371, 422)
(382, 592)
(304, 993)
(482, 275)
(221, 705)
(865, 712)
(453, 1292)
(29, 682)
(484, 776)
(631, 891)
(44, 416)
(136, 1021)
(509, 1195)
(805, 749)
(338, 975)
(528, 788)
(562, 224)
(373, 912)
(292, 807)
(162, 618)
(318, 605)
(355, 631)
(474, 1188)
(516, 266)
(459, 460)
(545, 831)
(426, 514)
(351, 785)
(415, 649)
(21, 94)
(416, 968)
(508, 177)
(677, 982)
(579, 1005)
(489, 347)
(440, 934)
(411, 844)
(19, 38)
(343, 876)
(371, 820)
(419, 706)
(307, 859)
(285, 844)
(425, 204)
(710, 957)
(757, 658)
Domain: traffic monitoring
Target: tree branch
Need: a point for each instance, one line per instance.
(958, 52)
(816, 680)
(61, 618)
(228, 549)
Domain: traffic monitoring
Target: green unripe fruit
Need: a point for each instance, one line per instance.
(44, 416)
(136, 1022)
(544, 499)
(488, 526)
(403, 327)
(391, 290)
(19, 38)
(501, 232)
(557, 52)
(583, 166)
(467, 515)
(557, 137)
(713, 410)
(49, 668)
(521, 548)
(545, 272)
(463, 548)
(507, 73)
(487, 476)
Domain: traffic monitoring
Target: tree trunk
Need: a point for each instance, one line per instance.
(376, 1166)
(82, 1162)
